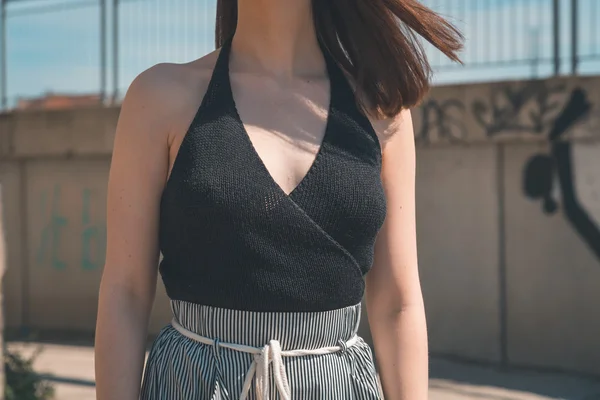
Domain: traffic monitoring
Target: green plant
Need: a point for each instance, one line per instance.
(22, 382)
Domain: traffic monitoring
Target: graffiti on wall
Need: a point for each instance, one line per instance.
(543, 170)
(529, 108)
(544, 109)
(60, 225)
(442, 120)
(524, 109)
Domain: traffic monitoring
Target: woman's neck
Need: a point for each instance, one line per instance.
(277, 37)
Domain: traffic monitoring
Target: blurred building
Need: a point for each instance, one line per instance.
(52, 101)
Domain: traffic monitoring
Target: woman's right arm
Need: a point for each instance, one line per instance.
(137, 176)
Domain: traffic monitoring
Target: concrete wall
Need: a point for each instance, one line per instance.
(505, 279)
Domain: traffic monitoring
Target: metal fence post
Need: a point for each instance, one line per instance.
(556, 35)
(115, 34)
(574, 35)
(3, 56)
(102, 50)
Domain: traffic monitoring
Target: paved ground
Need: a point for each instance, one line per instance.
(71, 369)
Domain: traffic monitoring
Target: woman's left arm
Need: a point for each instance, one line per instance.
(394, 300)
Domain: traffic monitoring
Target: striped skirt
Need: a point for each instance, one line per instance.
(214, 353)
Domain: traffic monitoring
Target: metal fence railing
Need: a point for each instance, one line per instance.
(154, 31)
(52, 46)
(586, 34)
(521, 38)
(97, 47)
(500, 32)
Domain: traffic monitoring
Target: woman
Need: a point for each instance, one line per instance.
(272, 174)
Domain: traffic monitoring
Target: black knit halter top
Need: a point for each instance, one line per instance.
(232, 238)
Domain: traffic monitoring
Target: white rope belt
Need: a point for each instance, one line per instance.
(270, 353)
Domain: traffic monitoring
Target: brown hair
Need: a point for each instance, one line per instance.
(374, 41)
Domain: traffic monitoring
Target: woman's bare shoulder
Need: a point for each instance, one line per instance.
(167, 92)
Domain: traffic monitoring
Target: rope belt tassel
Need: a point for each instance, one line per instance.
(263, 357)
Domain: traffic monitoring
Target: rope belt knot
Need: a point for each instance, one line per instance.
(263, 357)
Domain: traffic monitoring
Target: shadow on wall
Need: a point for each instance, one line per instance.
(542, 169)
(504, 113)
(539, 109)
(530, 110)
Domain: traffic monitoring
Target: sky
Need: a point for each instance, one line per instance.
(53, 45)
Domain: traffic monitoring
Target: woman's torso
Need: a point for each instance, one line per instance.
(283, 128)
(285, 121)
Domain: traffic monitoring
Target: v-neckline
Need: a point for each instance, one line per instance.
(246, 137)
